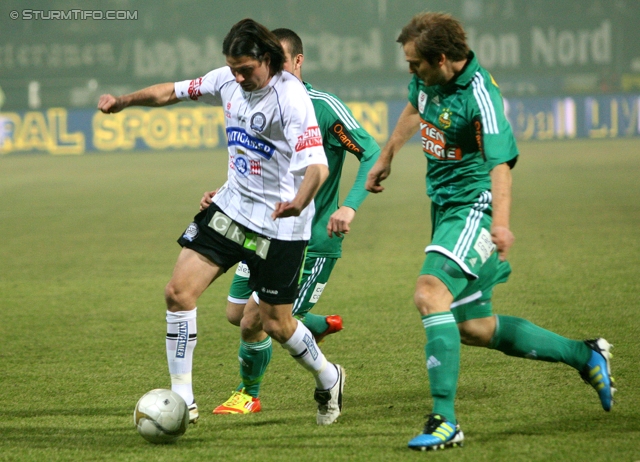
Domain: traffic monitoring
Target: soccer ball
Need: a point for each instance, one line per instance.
(161, 416)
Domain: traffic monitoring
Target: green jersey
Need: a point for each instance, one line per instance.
(465, 133)
(340, 133)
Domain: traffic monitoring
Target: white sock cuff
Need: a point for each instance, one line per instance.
(181, 316)
(297, 336)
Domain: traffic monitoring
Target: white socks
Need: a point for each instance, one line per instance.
(304, 349)
(182, 336)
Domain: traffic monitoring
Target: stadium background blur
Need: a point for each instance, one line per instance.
(568, 69)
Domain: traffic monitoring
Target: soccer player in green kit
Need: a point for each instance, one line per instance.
(470, 150)
(340, 133)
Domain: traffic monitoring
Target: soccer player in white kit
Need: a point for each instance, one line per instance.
(261, 215)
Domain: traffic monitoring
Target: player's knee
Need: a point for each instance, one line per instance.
(234, 320)
(234, 313)
(470, 338)
(421, 299)
(477, 332)
(250, 325)
(177, 299)
(274, 329)
(431, 295)
(426, 302)
(280, 329)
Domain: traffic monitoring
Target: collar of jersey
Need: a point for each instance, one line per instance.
(468, 71)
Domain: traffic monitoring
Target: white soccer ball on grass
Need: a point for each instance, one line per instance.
(161, 416)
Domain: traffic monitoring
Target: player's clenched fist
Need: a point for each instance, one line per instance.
(110, 104)
(378, 173)
(503, 238)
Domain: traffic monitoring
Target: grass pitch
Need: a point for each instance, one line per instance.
(88, 244)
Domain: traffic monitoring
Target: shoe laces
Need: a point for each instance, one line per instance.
(236, 398)
(323, 397)
(435, 420)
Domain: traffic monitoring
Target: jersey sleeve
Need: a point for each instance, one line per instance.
(302, 130)
(342, 131)
(358, 193)
(204, 89)
(368, 154)
(498, 144)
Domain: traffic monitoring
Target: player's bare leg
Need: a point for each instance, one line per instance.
(235, 312)
(477, 332)
(192, 274)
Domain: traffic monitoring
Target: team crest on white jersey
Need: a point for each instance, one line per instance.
(422, 101)
(258, 122)
(241, 164)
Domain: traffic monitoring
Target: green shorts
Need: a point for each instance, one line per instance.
(239, 292)
(315, 275)
(475, 300)
(462, 255)
(462, 233)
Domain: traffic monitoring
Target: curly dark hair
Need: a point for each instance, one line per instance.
(436, 34)
(250, 38)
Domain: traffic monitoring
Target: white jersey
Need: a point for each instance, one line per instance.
(272, 137)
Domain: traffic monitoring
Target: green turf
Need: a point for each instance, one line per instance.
(88, 243)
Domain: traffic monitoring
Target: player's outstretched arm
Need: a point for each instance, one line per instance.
(162, 94)
(501, 235)
(406, 127)
(314, 176)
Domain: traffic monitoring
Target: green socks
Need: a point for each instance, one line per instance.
(513, 336)
(443, 361)
(314, 322)
(254, 359)
(523, 339)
